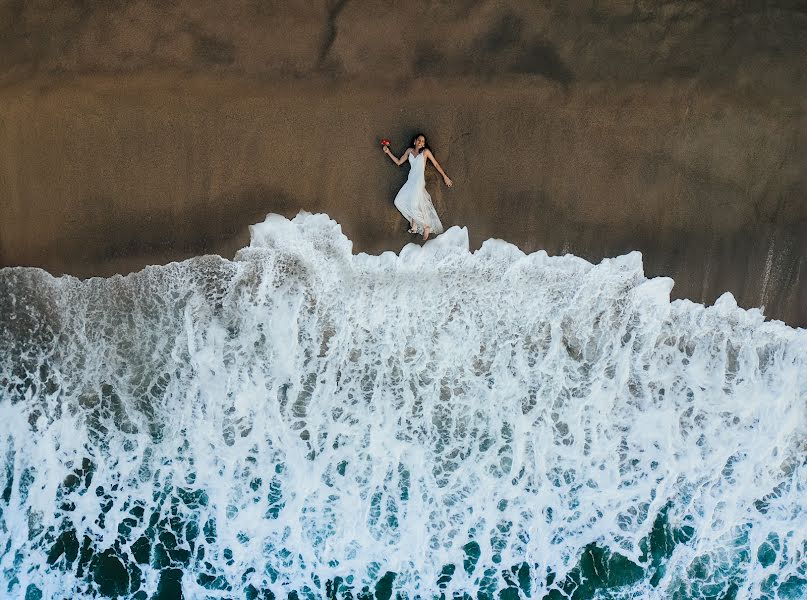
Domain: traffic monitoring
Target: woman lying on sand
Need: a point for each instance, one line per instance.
(413, 200)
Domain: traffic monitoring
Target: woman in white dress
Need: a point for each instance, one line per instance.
(413, 200)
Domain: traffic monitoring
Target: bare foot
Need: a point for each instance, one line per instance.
(425, 234)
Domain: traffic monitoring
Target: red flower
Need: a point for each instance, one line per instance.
(385, 142)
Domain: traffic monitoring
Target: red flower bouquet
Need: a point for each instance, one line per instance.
(385, 142)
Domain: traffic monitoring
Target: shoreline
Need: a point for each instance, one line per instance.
(134, 265)
(107, 173)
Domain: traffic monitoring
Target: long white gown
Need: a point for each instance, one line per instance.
(414, 201)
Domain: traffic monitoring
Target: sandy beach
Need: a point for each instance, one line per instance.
(114, 156)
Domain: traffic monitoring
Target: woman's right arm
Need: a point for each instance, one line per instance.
(397, 161)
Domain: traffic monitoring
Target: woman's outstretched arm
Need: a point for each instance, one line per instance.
(437, 166)
(397, 161)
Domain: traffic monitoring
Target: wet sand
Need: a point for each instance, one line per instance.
(115, 156)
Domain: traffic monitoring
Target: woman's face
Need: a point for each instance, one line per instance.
(420, 141)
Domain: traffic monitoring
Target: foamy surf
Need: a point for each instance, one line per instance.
(434, 423)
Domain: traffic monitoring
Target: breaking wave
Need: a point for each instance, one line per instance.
(302, 421)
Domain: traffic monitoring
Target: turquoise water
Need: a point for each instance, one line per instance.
(175, 547)
(302, 422)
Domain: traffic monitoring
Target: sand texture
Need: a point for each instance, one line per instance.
(135, 133)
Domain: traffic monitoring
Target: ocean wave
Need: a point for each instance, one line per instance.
(434, 423)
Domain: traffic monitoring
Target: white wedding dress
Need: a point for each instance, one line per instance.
(414, 201)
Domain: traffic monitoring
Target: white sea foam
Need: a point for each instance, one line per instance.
(304, 414)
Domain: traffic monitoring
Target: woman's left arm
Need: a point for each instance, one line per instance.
(437, 166)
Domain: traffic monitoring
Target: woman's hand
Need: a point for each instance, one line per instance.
(449, 183)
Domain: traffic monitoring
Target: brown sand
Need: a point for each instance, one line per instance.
(140, 134)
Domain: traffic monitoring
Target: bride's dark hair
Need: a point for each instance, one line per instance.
(425, 146)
